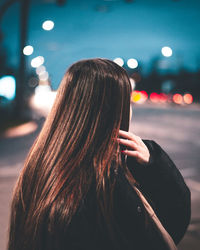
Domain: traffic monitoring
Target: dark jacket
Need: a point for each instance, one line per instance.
(163, 186)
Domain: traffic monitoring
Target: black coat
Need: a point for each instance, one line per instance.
(163, 186)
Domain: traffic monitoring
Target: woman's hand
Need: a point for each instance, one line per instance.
(135, 146)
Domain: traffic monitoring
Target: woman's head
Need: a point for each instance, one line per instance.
(92, 103)
(75, 144)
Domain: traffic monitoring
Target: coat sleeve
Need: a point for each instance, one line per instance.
(164, 187)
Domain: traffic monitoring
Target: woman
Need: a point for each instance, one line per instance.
(88, 183)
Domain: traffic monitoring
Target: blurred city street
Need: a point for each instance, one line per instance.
(155, 42)
(176, 129)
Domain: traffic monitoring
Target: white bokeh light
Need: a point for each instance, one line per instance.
(40, 70)
(8, 87)
(166, 51)
(119, 61)
(41, 89)
(48, 25)
(44, 76)
(28, 50)
(132, 63)
(43, 99)
(37, 61)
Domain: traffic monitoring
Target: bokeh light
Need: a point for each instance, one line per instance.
(43, 99)
(119, 61)
(48, 25)
(28, 50)
(166, 51)
(163, 97)
(188, 98)
(132, 63)
(135, 96)
(33, 82)
(44, 76)
(40, 70)
(154, 97)
(42, 89)
(144, 95)
(139, 96)
(37, 61)
(8, 87)
(177, 98)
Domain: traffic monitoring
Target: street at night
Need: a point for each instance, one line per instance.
(89, 58)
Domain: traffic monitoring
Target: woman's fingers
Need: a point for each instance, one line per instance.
(129, 136)
(135, 146)
(137, 155)
(131, 153)
(128, 143)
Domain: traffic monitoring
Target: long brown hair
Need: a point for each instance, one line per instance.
(75, 146)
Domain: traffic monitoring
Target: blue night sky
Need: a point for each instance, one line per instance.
(138, 29)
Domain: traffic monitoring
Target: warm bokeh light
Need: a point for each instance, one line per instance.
(119, 61)
(28, 50)
(21, 130)
(37, 61)
(163, 97)
(177, 98)
(135, 96)
(188, 98)
(166, 51)
(154, 97)
(159, 97)
(48, 25)
(132, 63)
(139, 96)
(8, 87)
(144, 95)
